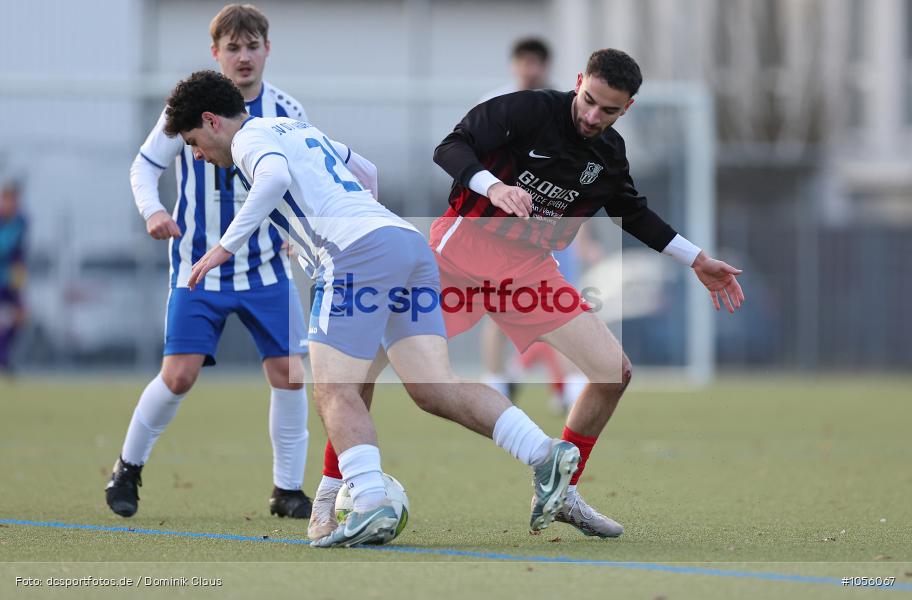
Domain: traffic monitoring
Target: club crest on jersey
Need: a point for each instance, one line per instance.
(592, 171)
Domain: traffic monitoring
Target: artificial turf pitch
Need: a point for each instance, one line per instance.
(750, 488)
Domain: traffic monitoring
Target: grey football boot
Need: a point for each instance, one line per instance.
(585, 518)
(550, 480)
(375, 526)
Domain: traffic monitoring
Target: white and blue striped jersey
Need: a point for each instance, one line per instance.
(325, 207)
(208, 198)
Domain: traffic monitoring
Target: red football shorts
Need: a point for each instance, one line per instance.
(517, 284)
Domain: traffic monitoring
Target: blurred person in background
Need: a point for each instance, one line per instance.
(12, 271)
(255, 284)
(530, 62)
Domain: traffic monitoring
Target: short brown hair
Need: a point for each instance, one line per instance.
(235, 19)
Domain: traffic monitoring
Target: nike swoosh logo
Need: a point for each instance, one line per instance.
(353, 532)
(547, 488)
(534, 155)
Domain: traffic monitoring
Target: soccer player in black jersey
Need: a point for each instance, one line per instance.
(553, 159)
(528, 169)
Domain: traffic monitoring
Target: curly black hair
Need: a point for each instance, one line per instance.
(617, 69)
(203, 91)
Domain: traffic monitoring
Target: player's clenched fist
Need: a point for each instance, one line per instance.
(511, 199)
(161, 226)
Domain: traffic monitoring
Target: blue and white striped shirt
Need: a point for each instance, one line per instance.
(207, 199)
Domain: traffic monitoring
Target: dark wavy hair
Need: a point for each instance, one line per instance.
(203, 91)
(617, 69)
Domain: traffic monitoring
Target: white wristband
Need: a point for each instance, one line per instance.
(482, 181)
(682, 250)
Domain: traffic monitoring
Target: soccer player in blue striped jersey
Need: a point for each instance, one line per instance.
(255, 284)
(378, 288)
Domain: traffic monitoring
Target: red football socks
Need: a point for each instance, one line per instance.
(331, 462)
(585, 444)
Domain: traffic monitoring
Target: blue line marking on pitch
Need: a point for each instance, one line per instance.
(639, 566)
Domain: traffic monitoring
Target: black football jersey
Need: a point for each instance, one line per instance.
(528, 139)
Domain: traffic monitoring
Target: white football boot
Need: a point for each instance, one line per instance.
(585, 518)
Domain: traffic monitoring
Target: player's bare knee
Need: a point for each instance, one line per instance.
(626, 373)
(613, 377)
(612, 383)
(284, 373)
(179, 380)
(282, 380)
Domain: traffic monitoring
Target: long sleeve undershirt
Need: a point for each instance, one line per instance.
(270, 183)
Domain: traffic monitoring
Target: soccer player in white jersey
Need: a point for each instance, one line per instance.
(378, 286)
(255, 284)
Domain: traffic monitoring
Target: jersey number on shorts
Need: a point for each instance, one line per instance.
(348, 186)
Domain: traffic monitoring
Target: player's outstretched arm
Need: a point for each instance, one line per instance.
(719, 278)
(271, 179)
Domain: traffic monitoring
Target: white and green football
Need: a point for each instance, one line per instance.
(396, 494)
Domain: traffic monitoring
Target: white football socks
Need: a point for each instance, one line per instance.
(516, 433)
(360, 467)
(288, 431)
(156, 407)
